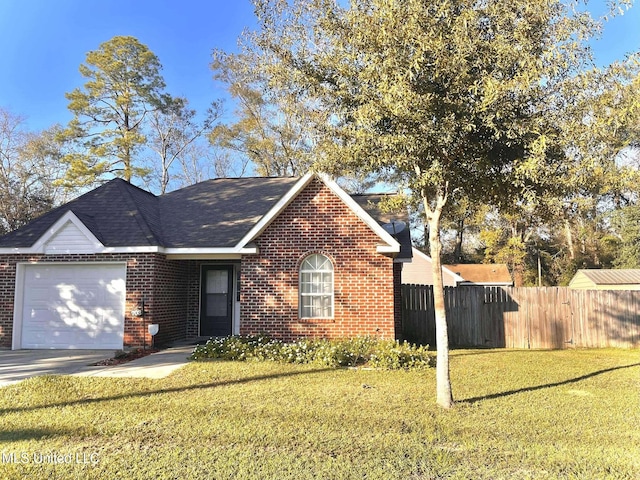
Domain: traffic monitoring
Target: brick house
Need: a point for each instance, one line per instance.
(289, 257)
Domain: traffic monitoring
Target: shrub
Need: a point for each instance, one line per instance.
(359, 351)
(392, 355)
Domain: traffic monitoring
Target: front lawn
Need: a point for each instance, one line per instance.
(520, 415)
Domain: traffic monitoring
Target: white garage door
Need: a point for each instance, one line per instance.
(73, 306)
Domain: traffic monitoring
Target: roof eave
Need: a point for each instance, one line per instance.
(390, 247)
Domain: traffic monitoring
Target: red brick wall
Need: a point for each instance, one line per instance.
(317, 221)
(7, 291)
(161, 282)
(169, 300)
(193, 299)
(397, 298)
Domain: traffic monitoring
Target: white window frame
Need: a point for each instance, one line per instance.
(322, 267)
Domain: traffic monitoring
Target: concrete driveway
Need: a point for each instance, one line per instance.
(17, 365)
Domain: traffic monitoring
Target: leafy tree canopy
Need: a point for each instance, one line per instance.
(123, 86)
(495, 100)
(29, 168)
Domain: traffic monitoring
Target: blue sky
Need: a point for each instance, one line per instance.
(42, 43)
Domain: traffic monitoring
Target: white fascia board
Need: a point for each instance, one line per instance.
(131, 249)
(230, 252)
(14, 250)
(204, 256)
(392, 245)
(39, 245)
(388, 248)
(283, 203)
(226, 252)
(31, 250)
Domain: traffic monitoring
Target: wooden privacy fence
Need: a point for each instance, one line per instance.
(545, 317)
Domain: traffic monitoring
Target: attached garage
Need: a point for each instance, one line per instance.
(72, 306)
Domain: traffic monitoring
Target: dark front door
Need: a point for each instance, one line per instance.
(216, 311)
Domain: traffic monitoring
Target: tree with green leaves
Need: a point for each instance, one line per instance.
(124, 86)
(626, 223)
(271, 125)
(440, 97)
(29, 168)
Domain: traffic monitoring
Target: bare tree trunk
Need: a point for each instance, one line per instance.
(457, 252)
(567, 229)
(444, 396)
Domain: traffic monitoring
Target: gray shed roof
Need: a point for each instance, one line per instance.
(613, 277)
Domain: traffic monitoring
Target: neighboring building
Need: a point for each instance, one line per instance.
(623, 279)
(288, 257)
(483, 274)
(419, 271)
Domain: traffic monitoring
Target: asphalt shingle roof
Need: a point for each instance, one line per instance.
(214, 213)
(219, 212)
(370, 204)
(117, 213)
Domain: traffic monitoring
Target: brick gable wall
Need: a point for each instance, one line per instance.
(317, 221)
(162, 283)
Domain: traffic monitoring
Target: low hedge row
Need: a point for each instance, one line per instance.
(359, 351)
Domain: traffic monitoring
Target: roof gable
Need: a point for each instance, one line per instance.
(220, 216)
(390, 244)
(67, 235)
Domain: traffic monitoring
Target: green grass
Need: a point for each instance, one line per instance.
(519, 415)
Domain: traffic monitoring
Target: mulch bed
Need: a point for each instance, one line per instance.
(124, 357)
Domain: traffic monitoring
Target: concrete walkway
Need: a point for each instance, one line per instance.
(156, 365)
(18, 365)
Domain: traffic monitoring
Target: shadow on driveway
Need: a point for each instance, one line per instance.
(18, 365)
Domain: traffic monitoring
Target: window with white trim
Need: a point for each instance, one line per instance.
(316, 287)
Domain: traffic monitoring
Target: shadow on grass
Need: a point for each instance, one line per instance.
(467, 351)
(547, 385)
(27, 434)
(88, 401)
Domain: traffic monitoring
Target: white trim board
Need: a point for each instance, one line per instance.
(391, 244)
(91, 245)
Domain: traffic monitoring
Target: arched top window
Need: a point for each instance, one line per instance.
(316, 287)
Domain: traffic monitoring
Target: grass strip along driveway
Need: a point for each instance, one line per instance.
(520, 415)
